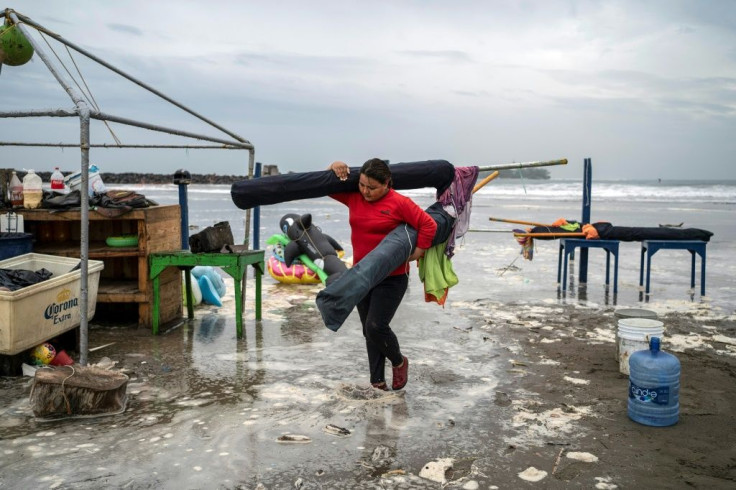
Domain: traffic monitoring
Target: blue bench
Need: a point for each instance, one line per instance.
(568, 246)
(650, 247)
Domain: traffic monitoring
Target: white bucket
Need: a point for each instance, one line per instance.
(630, 313)
(634, 335)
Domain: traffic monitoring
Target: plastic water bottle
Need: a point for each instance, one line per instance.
(16, 191)
(57, 180)
(32, 190)
(654, 386)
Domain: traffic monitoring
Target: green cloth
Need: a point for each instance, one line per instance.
(435, 271)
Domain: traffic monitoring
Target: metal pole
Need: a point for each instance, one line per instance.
(116, 146)
(257, 216)
(587, 181)
(183, 178)
(251, 164)
(84, 116)
(121, 73)
(154, 127)
(84, 235)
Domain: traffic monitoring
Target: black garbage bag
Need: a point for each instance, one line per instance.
(212, 239)
(14, 279)
(56, 200)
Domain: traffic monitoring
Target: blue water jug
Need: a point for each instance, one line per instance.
(654, 386)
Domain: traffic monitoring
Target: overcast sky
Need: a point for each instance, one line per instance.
(647, 89)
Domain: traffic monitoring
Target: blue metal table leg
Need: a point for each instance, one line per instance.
(692, 269)
(702, 272)
(559, 261)
(615, 273)
(564, 270)
(608, 266)
(649, 268)
(641, 265)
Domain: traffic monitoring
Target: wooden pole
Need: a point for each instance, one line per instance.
(506, 166)
(485, 181)
(518, 222)
(551, 235)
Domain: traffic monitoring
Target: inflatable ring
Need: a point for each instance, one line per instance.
(296, 274)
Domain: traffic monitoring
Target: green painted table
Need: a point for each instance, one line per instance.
(234, 264)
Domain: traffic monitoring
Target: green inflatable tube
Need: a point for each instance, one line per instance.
(284, 240)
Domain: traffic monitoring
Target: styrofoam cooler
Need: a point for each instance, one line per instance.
(36, 313)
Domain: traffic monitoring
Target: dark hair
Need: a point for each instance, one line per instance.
(378, 170)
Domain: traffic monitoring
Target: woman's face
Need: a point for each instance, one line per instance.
(371, 189)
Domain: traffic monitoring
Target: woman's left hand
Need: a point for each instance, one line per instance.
(340, 169)
(418, 252)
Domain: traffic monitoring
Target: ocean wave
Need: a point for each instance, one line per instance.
(561, 191)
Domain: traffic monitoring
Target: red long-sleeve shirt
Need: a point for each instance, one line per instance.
(371, 221)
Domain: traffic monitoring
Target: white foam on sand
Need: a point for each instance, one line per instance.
(548, 362)
(576, 381)
(584, 457)
(536, 427)
(725, 340)
(532, 474)
(437, 470)
(679, 343)
(601, 335)
(604, 483)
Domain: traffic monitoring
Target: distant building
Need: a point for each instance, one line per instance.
(270, 170)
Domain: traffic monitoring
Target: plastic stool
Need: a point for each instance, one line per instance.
(570, 244)
(650, 247)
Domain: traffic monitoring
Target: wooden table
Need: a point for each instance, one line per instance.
(234, 264)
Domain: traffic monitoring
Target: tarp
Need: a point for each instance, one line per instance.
(606, 231)
(291, 187)
(337, 300)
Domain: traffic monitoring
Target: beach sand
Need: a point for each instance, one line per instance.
(513, 384)
(501, 393)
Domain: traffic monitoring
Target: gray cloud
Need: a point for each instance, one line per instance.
(630, 84)
(125, 28)
(448, 55)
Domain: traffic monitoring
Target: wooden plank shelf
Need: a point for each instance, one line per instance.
(125, 278)
(97, 250)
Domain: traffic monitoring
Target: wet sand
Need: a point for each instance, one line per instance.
(501, 394)
(514, 384)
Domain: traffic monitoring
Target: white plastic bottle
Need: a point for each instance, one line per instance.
(32, 190)
(16, 191)
(57, 180)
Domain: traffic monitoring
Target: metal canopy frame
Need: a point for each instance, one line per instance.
(82, 111)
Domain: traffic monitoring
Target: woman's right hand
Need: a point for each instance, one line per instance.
(341, 169)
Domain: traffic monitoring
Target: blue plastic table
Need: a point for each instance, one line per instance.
(568, 246)
(650, 247)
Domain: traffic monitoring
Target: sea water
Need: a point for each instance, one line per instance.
(488, 260)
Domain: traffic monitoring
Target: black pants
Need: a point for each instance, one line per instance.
(376, 311)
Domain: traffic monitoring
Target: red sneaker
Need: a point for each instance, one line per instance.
(380, 386)
(401, 375)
